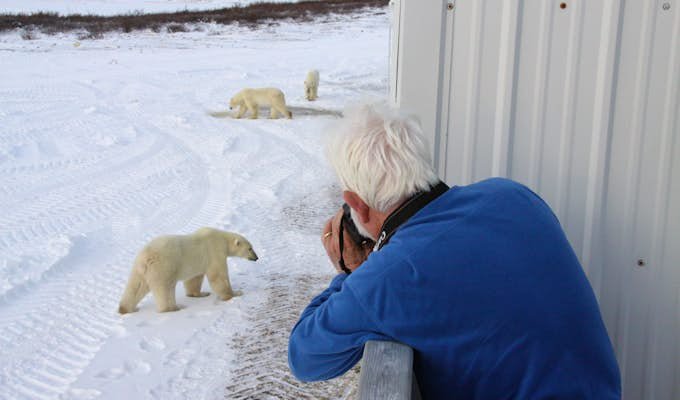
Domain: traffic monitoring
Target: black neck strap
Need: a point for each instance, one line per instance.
(406, 211)
(341, 243)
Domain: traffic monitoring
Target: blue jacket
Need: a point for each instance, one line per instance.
(484, 286)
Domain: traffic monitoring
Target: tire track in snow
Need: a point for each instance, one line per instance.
(75, 309)
(262, 362)
(69, 348)
(97, 195)
(76, 208)
(53, 173)
(254, 361)
(52, 327)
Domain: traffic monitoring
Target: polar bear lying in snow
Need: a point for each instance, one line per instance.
(312, 85)
(250, 99)
(172, 258)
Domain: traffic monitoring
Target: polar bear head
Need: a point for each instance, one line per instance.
(235, 101)
(241, 247)
(231, 244)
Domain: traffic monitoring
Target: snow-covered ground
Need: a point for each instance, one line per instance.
(107, 143)
(117, 7)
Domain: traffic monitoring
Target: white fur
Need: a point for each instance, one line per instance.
(249, 99)
(172, 258)
(312, 85)
(380, 154)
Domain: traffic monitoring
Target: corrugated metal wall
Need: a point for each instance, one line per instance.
(579, 100)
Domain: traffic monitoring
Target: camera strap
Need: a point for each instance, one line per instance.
(341, 243)
(402, 214)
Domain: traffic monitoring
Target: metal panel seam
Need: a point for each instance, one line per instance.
(540, 89)
(567, 125)
(472, 89)
(507, 83)
(661, 197)
(641, 83)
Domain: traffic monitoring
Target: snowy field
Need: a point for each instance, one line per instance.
(118, 7)
(107, 143)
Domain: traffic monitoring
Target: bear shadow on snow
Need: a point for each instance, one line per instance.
(298, 111)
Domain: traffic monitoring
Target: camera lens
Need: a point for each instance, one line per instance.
(350, 227)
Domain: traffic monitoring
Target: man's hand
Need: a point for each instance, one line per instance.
(353, 254)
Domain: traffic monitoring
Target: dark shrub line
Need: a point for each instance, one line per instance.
(252, 14)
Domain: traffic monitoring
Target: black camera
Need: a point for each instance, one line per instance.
(348, 224)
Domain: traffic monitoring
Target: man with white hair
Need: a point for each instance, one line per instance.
(479, 280)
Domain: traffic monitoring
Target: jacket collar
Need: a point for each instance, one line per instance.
(402, 214)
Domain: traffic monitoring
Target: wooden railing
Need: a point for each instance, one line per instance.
(387, 372)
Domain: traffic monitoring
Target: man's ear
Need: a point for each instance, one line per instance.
(356, 203)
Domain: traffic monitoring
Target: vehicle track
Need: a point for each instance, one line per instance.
(262, 351)
(291, 204)
(96, 200)
(260, 365)
(53, 323)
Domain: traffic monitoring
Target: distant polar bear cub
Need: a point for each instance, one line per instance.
(172, 258)
(312, 85)
(250, 99)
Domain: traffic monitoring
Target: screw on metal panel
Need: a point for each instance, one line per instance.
(563, 5)
(641, 262)
(449, 6)
(666, 6)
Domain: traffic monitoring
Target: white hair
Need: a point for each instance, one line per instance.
(380, 154)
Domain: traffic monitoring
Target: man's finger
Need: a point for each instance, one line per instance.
(327, 230)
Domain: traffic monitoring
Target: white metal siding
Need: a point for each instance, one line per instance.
(411, 56)
(582, 104)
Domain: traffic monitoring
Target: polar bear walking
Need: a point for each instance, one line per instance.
(312, 85)
(249, 99)
(168, 259)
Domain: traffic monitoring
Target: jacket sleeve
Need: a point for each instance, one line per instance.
(330, 335)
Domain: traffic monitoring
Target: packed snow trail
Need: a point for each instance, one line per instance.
(109, 143)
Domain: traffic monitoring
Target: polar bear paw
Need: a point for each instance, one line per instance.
(169, 309)
(199, 294)
(234, 293)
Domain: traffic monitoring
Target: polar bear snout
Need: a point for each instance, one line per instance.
(252, 256)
